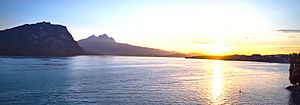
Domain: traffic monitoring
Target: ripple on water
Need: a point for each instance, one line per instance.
(141, 80)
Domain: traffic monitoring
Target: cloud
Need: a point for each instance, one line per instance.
(250, 38)
(292, 37)
(210, 43)
(289, 31)
(202, 42)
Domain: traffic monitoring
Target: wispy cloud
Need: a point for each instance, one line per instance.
(292, 31)
(203, 42)
(250, 38)
(210, 43)
(292, 37)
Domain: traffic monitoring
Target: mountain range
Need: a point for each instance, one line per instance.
(46, 39)
(108, 46)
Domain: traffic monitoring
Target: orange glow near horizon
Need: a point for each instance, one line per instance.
(217, 48)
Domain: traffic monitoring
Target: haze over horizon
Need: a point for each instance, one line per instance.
(190, 26)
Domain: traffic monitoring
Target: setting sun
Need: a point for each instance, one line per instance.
(217, 48)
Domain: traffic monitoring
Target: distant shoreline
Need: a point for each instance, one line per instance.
(280, 58)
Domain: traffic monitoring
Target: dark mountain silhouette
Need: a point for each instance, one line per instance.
(108, 46)
(40, 39)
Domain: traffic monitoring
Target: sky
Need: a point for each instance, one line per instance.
(189, 26)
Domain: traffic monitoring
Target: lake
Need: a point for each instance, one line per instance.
(141, 80)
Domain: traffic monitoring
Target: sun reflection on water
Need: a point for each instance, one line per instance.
(216, 83)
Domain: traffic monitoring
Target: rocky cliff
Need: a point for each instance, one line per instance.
(40, 39)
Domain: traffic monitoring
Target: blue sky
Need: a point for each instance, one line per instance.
(166, 24)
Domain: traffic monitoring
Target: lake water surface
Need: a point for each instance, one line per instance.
(141, 80)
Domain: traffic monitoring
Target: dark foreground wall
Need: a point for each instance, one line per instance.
(294, 69)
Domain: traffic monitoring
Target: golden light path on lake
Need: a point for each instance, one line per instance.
(216, 86)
